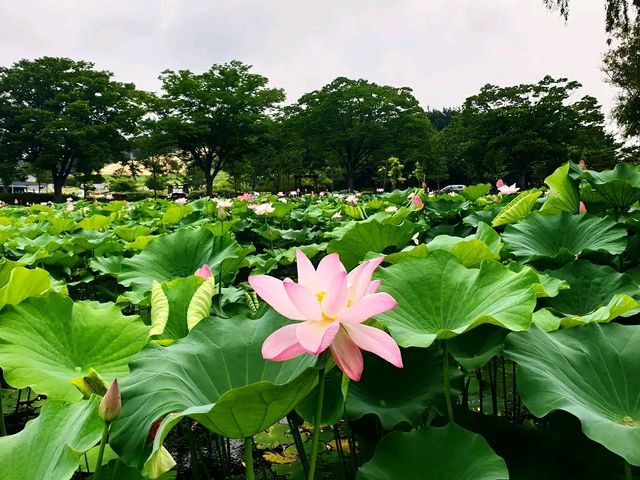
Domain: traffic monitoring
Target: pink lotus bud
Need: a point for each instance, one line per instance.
(203, 272)
(499, 183)
(582, 165)
(111, 403)
(583, 208)
(417, 202)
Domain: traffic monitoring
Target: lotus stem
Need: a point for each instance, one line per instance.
(3, 429)
(103, 443)
(447, 380)
(297, 439)
(628, 475)
(316, 425)
(266, 222)
(248, 458)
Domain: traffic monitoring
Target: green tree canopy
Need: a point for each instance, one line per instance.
(620, 14)
(526, 131)
(217, 117)
(64, 116)
(357, 122)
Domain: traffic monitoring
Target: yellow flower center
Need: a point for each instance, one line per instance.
(320, 296)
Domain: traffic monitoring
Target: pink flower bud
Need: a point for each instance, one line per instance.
(203, 272)
(111, 403)
(499, 183)
(583, 208)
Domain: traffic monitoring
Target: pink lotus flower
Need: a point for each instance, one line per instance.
(331, 305)
(262, 208)
(499, 183)
(508, 189)
(247, 197)
(416, 201)
(181, 201)
(582, 208)
(203, 272)
(352, 200)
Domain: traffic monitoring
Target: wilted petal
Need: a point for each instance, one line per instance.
(315, 337)
(306, 272)
(282, 344)
(375, 341)
(367, 307)
(304, 301)
(347, 355)
(335, 298)
(272, 291)
(203, 272)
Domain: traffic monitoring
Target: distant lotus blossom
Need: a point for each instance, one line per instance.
(224, 203)
(281, 194)
(330, 306)
(336, 215)
(453, 194)
(391, 209)
(247, 197)
(283, 200)
(69, 200)
(351, 200)
(582, 208)
(508, 189)
(293, 193)
(416, 238)
(181, 201)
(108, 196)
(262, 208)
(380, 190)
(203, 272)
(15, 201)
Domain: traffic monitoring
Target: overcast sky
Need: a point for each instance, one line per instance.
(445, 50)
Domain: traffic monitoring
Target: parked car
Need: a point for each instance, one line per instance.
(453, 188)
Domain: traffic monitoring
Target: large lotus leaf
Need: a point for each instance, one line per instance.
(180, 254)
(335, 391)
(470, 251)
(474, 192)
(517, 209)
(597, 293)
(589, 371)
(18, 283)
(169, 304)
(564, 195)
(46, 341)
(474, 349)
(95, 222)
(563, 236)
(450, 453)
(439, 298)
(215, 375)
(50, 446)
(619, 187)
(370, 236)
(130, 233)
(400, 397)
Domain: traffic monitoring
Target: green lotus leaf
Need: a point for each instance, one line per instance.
(598, 293)
(174, 214)
(335, 392)
(470, 251)
(18, 283)
(140, 242)
(370, 236)
(475, 348)
(562, 237)
(46, 341)
(450, 453)
(439, 298)
(109, 265)
(180, 254)
(547, 286)
(215, 375)
(200, 303)
(619, 187)
(60, 224)
(588, 371)
(564, 195)
(401, 397)
(95, 222)
(130, 233)
(517, 209)
(474, 192)
(50, 446)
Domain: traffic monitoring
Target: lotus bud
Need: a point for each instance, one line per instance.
(203, 272)
(582, 208)
(582, 165)
(417, 202)
(499, 183)
(111, 403)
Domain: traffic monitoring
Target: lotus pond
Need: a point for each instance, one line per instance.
(477, 335)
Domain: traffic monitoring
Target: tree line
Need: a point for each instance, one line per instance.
(60, 118)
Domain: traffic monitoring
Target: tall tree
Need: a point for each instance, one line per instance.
(620, 15)
(528, 130)
(441, 118)
(355, 120)
(64, 116)
(217, 117)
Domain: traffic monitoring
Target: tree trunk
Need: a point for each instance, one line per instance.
(208, 181)
(58, 183)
